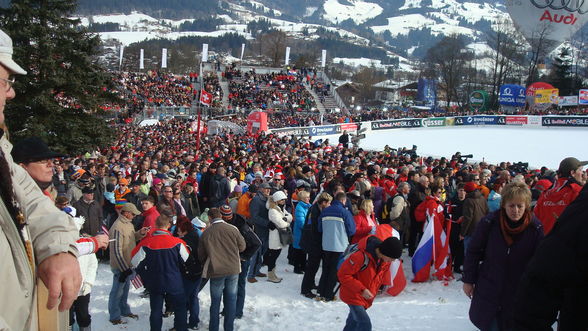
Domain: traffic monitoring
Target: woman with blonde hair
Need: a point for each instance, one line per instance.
(502, 244)
(365, 221)
(279, 219)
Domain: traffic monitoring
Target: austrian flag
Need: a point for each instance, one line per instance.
(205, 98)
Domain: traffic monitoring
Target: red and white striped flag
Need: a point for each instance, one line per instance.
(105, 230)
(137, 282)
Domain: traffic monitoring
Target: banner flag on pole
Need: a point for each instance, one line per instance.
(287, 55)
(164, 57)
(204, 52)
(142, 59)
(242, 51)
(120, 57)
(324, 58)
(205, 98)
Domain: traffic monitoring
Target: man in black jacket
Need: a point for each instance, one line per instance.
(414, 199)
(252, 244)
(311, 243)
(555, 279)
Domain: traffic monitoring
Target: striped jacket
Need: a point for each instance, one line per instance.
(125, 239)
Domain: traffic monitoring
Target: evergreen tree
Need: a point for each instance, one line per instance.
(59, 97)
(561, 74)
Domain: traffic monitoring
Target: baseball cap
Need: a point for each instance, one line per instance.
(6, 52)
(129, 207)
(570, 164)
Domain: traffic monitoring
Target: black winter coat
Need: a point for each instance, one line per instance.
(252, 242)
(556, 278)
(192, 268)
(496, 269)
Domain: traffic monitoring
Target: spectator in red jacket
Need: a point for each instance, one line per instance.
(552, 202)
(365, 221)
(361, 276)
(150, 212)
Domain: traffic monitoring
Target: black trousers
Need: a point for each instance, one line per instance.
(312, 265)
(79, 311)
(270, 258)
(298, 259)
(328, 279)
(456, 247)
(416, 231)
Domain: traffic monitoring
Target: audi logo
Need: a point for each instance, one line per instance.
(580, 6)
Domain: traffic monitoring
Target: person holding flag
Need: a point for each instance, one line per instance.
(501, 247)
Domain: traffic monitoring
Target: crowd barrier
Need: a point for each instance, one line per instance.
(409, 123)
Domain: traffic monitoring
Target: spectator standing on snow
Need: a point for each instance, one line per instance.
(300, 216)
(219, 250)
(191, 270)
(280, 219)
(553, 201)
(361, 283)
(159, 260)
(260, 220)
(475, 208)
(501, 246)
(337, 225)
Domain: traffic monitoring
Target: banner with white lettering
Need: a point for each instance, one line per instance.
(287, 55)
(204, 53)
(164, 57)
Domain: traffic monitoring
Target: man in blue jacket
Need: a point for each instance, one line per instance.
(337, 225)
(158, 258)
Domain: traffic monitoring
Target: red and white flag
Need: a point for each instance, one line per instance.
(205, 98)
(137, 282)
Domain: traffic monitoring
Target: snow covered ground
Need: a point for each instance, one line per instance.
(268, 306)
(539, 147)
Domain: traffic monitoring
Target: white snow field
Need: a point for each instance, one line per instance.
(269, 306)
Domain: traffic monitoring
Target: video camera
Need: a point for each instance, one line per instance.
(519, 167)
(463, 158)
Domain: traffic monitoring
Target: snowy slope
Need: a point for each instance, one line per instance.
(268, 306)
(359, 11)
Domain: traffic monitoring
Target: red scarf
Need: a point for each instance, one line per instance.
(507, 231)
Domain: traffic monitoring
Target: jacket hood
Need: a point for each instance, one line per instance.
(369, 244)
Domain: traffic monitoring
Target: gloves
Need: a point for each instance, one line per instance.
(124, 275)
(271, 226)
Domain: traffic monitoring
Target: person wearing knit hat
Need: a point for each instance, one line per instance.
(470, 187)
(362, 274)
(226, 211)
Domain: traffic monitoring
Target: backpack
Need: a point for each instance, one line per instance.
(388, 206)
(350, 250)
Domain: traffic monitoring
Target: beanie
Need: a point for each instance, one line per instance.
(391, 247)
(470, 187)
(226, 211)
(238, 189)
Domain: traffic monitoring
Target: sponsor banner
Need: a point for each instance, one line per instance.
(534, 120)
(547, 96)
(427, 92)
(322, 130)
(571, 121)
(397, 124)
(479, 100)
(517, 120)
(348, 127)
(291, 132)
(512, 95)
(434, 122)
(480, 120)
(583, 99)
(567, 101)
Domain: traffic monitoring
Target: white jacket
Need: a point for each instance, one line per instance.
(276, 216)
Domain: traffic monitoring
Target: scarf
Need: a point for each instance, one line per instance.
(510, 228)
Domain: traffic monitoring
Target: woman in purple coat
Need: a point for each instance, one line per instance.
(503, 243)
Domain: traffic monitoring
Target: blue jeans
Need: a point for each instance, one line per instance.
(466, 243)
(358, 319)
(117, 300)
(241, 288)
(256, 260)
(191, 289)
(225, 288)
(178, 301)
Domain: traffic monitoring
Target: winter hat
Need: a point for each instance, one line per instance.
(238, 189)
(33, 149)
(279, 195)
(156, 181)
(226, 211)
(305, 169)
(391, 247)
(390, 172)
(470, 187)
(568, 165)
(123, 181)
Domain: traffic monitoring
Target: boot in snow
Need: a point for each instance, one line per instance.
(272, 276)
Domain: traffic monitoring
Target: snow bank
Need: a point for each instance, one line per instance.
(359, 11)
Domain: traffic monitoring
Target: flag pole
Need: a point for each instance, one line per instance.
(199, 108)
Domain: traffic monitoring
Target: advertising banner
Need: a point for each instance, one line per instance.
(434, 122)
(291, 132)
(568, 101)
(427, 92)
(583, 98)
(347, 127)
(480, 120)
(322, 130)
(534, 120)
(512, 95)
(479, 100)
(517, 120)
(397, 124)
(547, 96)
(570, 121)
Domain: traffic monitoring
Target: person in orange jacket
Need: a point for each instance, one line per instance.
(362, 274)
